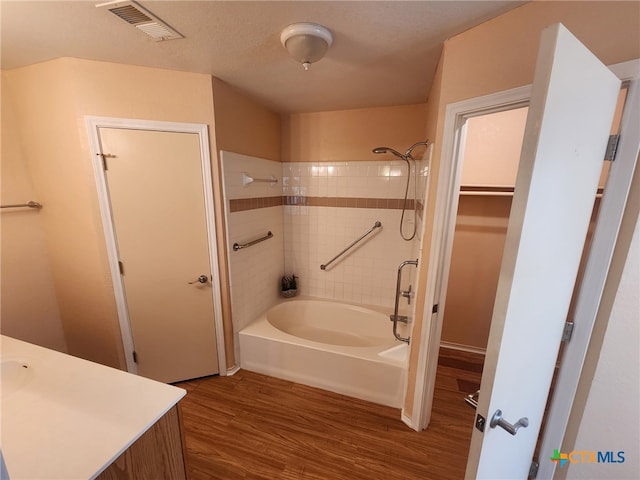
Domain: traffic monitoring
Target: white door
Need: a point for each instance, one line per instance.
(571, 110)
(157, 205)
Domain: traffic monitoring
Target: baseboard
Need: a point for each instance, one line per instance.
(463, 348)
(233, 370)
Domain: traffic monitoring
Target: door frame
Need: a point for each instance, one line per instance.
(597, 266)
(93, 124)
(619, 181)
(447, 199)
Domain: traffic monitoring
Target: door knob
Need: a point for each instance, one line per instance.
(498, 421)
(200, 279)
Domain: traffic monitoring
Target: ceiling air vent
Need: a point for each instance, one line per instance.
(141, 18)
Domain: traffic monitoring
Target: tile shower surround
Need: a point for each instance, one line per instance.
(318, 210)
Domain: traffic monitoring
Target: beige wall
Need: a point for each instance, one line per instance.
(51, 101)
(246, 127)
(500, 54)
(433, 132)
(28, 300)
(481, 227)
(492, 148)
(348, 135)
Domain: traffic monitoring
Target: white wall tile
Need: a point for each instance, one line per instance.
(234, 165)
(305, 237)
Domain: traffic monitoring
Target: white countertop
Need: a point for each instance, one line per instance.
(67, 418)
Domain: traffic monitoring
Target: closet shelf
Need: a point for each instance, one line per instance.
(498, 191)
(486, 190)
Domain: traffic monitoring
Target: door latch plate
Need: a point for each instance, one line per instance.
(480, 422)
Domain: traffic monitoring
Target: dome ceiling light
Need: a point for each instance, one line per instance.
(306, 42)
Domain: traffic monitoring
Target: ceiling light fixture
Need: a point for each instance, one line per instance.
(306, 42)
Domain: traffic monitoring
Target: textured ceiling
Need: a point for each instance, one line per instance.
(384, 52)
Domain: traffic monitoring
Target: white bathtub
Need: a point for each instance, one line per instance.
(339, 347)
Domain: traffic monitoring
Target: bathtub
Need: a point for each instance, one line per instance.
(340, 347)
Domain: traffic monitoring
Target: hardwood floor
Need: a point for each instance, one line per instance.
(250, 426)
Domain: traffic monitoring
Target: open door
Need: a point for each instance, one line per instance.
(572, 106)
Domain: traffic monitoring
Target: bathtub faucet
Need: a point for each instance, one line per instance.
(395, 318)
(407, 294)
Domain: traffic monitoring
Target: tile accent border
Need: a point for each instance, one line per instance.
(243, 204)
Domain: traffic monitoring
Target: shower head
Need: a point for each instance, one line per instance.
(389, 150)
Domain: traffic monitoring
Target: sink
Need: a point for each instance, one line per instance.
(15, 374)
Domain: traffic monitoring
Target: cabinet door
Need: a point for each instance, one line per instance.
(158, 453)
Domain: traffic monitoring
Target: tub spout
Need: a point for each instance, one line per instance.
(399, 318)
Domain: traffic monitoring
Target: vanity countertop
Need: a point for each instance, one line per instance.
(67, 418)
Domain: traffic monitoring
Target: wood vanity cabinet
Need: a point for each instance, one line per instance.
(158, 454)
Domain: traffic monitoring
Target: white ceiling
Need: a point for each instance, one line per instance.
(383, 53)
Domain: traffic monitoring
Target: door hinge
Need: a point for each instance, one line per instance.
(104, 160)
(567, 332)
(612, 148)
(104, 157)
(121, 268)
(135, 357)
(533, 469)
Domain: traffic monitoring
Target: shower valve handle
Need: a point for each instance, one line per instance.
(407, 294)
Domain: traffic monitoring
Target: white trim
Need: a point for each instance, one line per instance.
(406, 420)
(603, 244)
(463, 348)
(93, 124)
(442, 244)
(233, 370)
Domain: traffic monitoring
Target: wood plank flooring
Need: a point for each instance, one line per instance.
(250, 426)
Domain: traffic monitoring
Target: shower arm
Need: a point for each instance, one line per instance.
(409, 152)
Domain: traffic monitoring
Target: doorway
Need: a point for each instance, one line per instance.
(154, 186)
(490, 156)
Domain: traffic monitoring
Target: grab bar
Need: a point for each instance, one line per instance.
(395, 318)
(325, 265)
(237, 246)
(29, 204)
